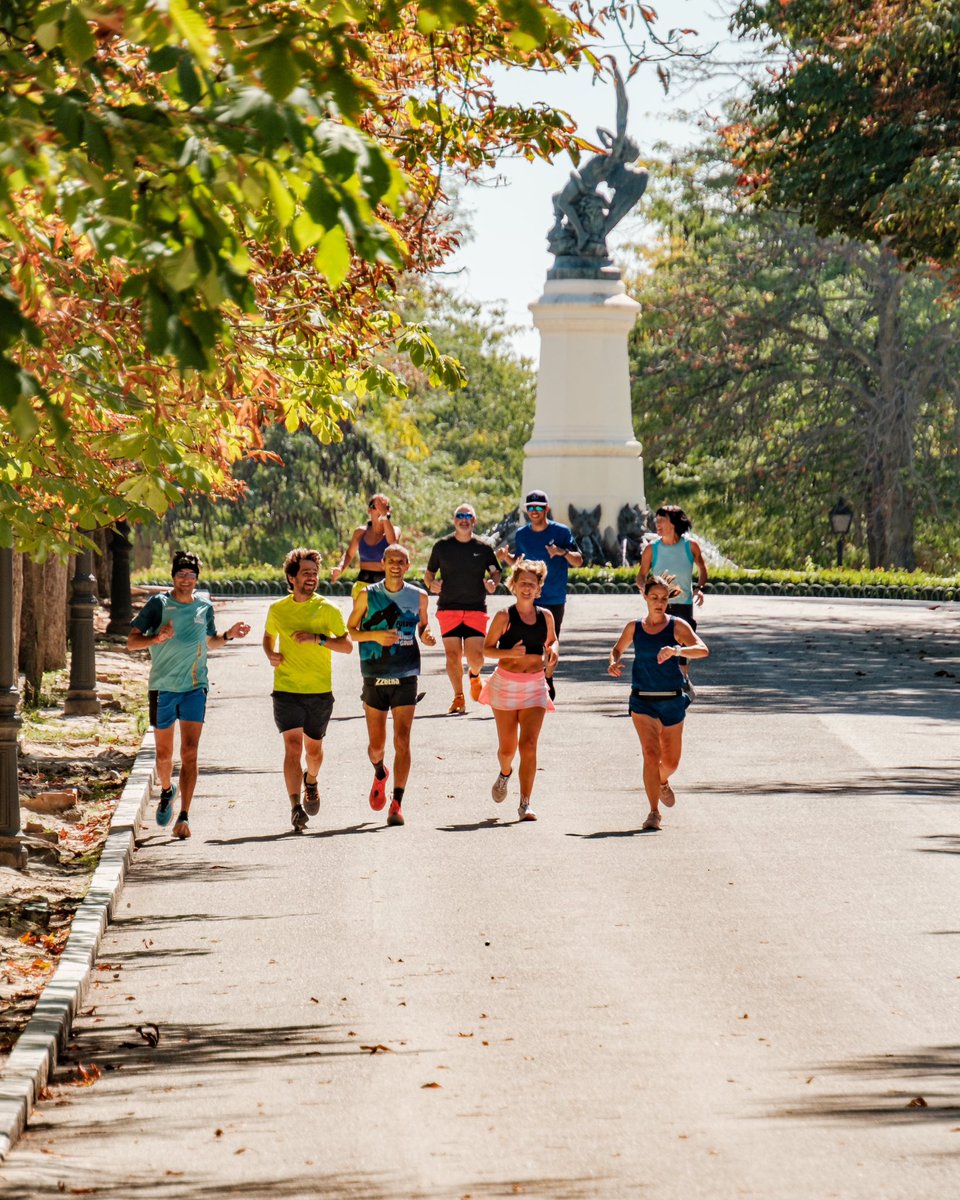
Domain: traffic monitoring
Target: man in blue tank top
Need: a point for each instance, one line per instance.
(551, 542)
(385, 621)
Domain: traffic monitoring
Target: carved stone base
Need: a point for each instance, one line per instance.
(13, 853)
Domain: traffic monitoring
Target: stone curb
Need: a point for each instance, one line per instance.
(35, 1054)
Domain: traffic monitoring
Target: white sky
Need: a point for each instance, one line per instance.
(507, 259)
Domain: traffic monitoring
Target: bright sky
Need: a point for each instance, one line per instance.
(507, 260)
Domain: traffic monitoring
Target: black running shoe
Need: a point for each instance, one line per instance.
(298, 818)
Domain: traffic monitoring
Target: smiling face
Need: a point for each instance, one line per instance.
(395, 563)
(525, 585)
(184, 583)
(305, 581)
(537, 514)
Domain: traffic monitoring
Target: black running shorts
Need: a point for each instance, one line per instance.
(385, 694)
(309, 711)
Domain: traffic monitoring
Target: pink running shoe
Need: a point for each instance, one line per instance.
(378, 793)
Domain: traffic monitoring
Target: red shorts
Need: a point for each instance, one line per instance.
(462, 623)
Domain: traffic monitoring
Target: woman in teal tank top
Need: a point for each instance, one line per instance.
(673, 552)
(657, 702)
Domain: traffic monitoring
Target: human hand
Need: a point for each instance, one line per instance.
(164, 633)
(615, 668)
(335, 574)
(274, 658)
(698, 596)
(550, 658)
(490, 585)
(427, 637)
(239, 630)
(385, 637)
(435, 586)
(553, 550)
(303, 635)
(666, 652)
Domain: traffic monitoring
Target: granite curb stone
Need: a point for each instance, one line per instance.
(35, 1053)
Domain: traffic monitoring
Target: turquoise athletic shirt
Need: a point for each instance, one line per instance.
(179, 665)
(675, 560)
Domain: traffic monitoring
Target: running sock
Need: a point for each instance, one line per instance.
(472, 676)
(398, 795)
(380, 770)
(506, 774)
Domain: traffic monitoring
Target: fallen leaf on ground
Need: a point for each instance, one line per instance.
(917, 1102)
(377, 1048)
(433, 1084)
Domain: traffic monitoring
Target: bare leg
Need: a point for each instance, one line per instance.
(648, 730)
(189, 746)
(163, 741)
(531, 720)
(453, 648)
(508, 733)
(376, 734)
(473, 648)
(292, 771)
(402, 725)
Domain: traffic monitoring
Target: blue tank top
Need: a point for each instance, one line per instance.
(648, 674)
(675, 560)
(372, 553)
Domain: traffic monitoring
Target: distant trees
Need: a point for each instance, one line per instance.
(775, 370)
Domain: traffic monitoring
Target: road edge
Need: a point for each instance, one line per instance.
(34, 1055)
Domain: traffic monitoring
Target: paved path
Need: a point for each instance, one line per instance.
(743, 1005)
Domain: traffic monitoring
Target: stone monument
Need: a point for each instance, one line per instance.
(583, 451)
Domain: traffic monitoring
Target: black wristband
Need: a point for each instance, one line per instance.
(226, 636)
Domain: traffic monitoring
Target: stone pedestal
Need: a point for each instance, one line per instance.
(583, 450)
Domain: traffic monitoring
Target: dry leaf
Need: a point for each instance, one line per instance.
(917, 1102)
(376, 1049)
(434, 1084)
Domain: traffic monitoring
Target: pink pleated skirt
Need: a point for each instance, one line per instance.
(512, 690)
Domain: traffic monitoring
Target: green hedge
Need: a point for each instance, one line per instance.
(887, 585)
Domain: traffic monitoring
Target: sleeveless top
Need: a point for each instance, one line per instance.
(533, 637)
(675, 560)
(649, 676)
(398, 610)
(371, 554)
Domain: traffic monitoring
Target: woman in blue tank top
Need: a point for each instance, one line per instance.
(658, 703)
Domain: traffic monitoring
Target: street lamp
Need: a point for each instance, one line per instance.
(840, 518)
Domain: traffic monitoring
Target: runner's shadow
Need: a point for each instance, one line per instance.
(613, 833)
(488, 823)
(364, 827)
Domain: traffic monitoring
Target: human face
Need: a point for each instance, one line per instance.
(394, 568)
(463, 522)
(184, 582)
(526, 586)
(664, 527)
(379, 506)
(305, 581)
(657, 600)
(538, 515)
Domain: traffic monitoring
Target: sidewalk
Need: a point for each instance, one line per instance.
(745, 1004)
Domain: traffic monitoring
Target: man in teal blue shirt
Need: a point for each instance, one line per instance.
(178, 629)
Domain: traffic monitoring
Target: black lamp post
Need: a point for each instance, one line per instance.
(121, 609)
(12, 854)
(840, 518)
(82, 699)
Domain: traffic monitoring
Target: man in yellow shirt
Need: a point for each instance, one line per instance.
(308, 627)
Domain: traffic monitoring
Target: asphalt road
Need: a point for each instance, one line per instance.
(759, 1001)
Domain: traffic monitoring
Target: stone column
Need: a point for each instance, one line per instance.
(12, 853)
(82, 697)
(583, 450)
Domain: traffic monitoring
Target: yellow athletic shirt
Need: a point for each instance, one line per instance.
(305, 666)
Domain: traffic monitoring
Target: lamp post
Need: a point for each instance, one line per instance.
(840, 518)
(121, 609)
(82, 699)
(12, 853)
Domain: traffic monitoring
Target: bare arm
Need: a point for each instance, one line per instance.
(426, 633)
(239, 629)
(689, 644)
(644, 569)
(384, 637)
(615, 665)
(136, 640)
(348, 555)
(702, 574)
(274, 657)
(430, 579)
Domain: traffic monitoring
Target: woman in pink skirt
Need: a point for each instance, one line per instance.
(522, 638)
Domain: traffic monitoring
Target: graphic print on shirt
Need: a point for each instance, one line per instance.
(398, 610)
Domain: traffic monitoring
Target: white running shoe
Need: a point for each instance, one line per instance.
(652, 821)
(525, 812)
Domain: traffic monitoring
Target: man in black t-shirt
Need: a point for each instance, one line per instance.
(468, 571)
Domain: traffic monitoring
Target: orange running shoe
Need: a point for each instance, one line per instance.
(458, 706)
(476, 686)
(394, 816)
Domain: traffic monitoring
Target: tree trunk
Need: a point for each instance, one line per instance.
(55, 601)
(32, 633)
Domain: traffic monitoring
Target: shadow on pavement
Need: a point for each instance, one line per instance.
(363, 827)
(893, 1098)
(613, 833)
(170, 869)
(473, 826)
(942, 784)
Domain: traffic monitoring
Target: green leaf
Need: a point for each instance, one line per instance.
(278, 69)
(333, 256)
(193, 28)
(188, 81)
(283, 203)
(78, 40)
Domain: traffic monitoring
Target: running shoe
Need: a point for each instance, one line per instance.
(378, 792)
(298, 818)
(499, 789)
(457, 706)
(668, 797)
(182, 828)
(165, 807)
(551, 689)
(525, 812)
(394, 816)
(311, 797)
(476, 687)
(652, 821)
